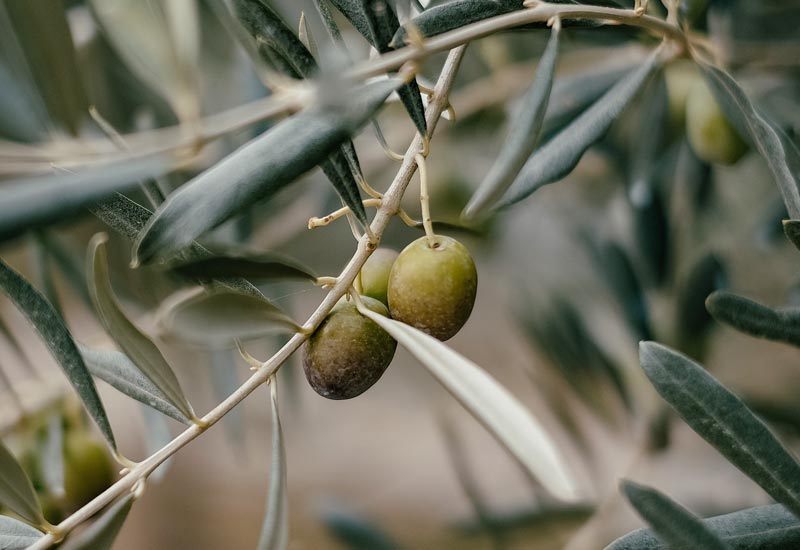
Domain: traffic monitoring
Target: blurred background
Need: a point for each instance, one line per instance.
(625, 249)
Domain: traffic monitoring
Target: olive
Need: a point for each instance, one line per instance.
(375, 274)
(432, 286)
(88, 470)
(680, 76)
(348, 353)
(711, 136)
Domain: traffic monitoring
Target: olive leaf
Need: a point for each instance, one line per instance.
(329, 23)
(523, 135)
(15, 535)
(56, 336)
(755, 319)
(43, 200)
(218, 318)
(16, 491)
(779, 152)
(117, 370)
(261, 266)
(52, 456)
(73, 270)
(131, 340)
(128, 218)
(693, 323)
(673, 523)
(354, 531)
(791, 229)
(494, 406)
(721, 418)
(770, 527)
(101, 534)
(257, 170)
(561, 154)
(305, 35)
(20, 120)
(275, 530)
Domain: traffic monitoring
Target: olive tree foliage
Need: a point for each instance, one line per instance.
(155, 153)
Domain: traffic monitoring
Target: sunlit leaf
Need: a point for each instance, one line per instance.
(132, 341)
(721, 418)
(257, 170)
(494, 406)
(770, 527)
(556, 158)
(56, 336)
(673, 523)
(781, 155)
(101, 534)
(43, 200)
(523, 134)
(116, 369)
(16, 491)
(275, 530)
(15, 535)
(218, 318)
(755, 319)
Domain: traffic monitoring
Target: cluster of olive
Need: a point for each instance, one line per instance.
(430, 285)
(692, 103)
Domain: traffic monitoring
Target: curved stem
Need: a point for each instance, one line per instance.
(389, 207)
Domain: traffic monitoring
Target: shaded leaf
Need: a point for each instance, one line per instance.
(101, 534)
(676, 525)
(56, 336)
(73, 270)
(523, 135)
(275, 530)
(257, 170)
(329, 22)
(792, 230)
(52, 456)
(353, 531)
(16, 491)
(561, 154)
(693, 322)
(755, 319)
(770, 527)
(219, 318)
(117, 370)
(494, 406)
(15, 535)
(42, 200)
(721, 418)
(781, 155)
(19, 119)
(242, 263)
(132, 341)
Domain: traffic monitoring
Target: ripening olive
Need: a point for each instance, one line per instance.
(348, 353)
(88, 470)
(375, 274)
(679, 76)
(433, 287)
(711, 136)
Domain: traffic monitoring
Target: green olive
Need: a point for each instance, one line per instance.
(433, 288)
(680, 76)
(88, 470)
(711, 136)
(375, 274)
(348, 353)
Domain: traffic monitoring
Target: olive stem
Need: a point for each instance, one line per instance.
(386, 212)
(335, 215)
(425, 200)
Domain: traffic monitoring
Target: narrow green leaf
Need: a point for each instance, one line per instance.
(43, 200)
(16, 491)
(329, 22)
(305, 35)
(132, 341)
(676, 525)
(56, 336)
(755, 319)
(103, 532)
(20, 120)
(494, 406)
(257, 170)
(561, 154)
(260, 266)
(15, 535)
(72, 269)
(770, 527)
(692, 321)
(216, 319)
(354, 531)
(355, 12)
(117, 370)
(721, 418)
(52, 456)
(792, 230)
(781, 155)
(128, 218)
(275, 530)
(523, 134)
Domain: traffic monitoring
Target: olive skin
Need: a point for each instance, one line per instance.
(375, 274)
(88, 470)
(348, 353)
(433, 288)
(680, 76)
(712, 137)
